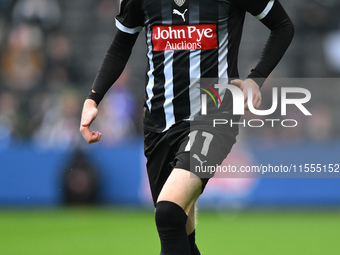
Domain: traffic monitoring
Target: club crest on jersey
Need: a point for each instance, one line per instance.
(179, 2)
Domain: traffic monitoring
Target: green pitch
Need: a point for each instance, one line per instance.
(88, 231)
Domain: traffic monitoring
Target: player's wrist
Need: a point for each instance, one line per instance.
(95, 97)
(253, 82)
(257, 77)
(89, 102)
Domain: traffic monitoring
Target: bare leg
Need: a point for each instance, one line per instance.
(182, 188)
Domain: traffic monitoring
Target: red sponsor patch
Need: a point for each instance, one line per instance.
(184, 37)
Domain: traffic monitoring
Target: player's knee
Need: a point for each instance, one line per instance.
(169, 216)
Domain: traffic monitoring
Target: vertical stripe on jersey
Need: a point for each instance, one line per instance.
(158, 77)
(168, 105)
(182, 79)
(194, 92)
(209, 58)
(181, 68)
(195, 62)
(223, 50)
(158, 90)
(168, 86)
(150, 76)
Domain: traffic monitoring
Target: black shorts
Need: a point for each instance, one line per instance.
(173, 149)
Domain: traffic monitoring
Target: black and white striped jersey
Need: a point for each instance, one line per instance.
(187, 40)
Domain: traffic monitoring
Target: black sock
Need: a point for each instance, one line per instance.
(171, 220)
(193, 246)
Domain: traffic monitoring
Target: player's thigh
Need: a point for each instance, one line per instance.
(182, 188)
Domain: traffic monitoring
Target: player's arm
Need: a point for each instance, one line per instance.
(129, 22)
(271, 14)
(112, 66)
(281, 35)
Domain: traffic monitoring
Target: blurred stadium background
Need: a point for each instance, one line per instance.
(60, 195)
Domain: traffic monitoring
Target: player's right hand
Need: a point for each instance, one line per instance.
(244, 85)
(89, 114)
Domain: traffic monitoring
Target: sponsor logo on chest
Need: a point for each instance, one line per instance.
(184, 37)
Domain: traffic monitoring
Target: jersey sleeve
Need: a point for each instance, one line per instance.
(258, 8)
(281, 34)
(130, 18)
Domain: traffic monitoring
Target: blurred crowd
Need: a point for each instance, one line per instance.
(42, 86)
(42, 81)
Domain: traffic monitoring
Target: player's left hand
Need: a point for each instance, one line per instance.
(256, 93)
